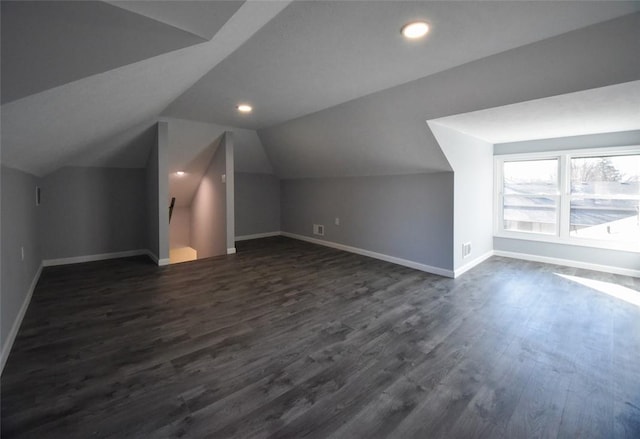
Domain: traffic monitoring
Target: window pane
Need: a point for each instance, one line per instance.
(606, 175)
(531, 177)
(536, 214)
(606, 219)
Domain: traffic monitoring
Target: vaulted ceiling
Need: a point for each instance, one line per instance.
(335, 88)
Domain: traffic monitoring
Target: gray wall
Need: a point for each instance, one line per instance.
(472, 163)
(623, 138)
(208, 209)
(19, 228)
(230, 218)
(600, 256)
(614, 258)
(405, 216)
(257, 198)
(90, 211)
(157, 196)
(163, 192)
(179, 228)
(152, 202)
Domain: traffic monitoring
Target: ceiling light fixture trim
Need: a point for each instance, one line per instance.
(415, 30)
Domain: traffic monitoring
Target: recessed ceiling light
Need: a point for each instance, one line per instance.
(244, 108)
(180, 173)
(415, 29)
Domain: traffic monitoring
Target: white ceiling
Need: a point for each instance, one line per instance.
(191, 147)
(47, 44)
(86, 81)
(203, 18)
(386, 132)
(601, 110)
(77, 118)
(318, 54)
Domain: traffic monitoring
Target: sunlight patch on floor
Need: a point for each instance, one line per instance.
(182, 254)
(614, 290)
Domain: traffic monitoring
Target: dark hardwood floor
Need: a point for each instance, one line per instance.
(288, 340)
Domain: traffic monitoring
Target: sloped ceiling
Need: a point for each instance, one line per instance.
(129, 149)
(600, 110)
(48, 43)
(386, 132)
(191, 147)
(319, 54)
(44, 131)
(203, 18)
(335, 89)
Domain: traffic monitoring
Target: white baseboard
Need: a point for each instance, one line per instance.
(568, 263)
(258, 236)
(159, 262)
(6, 349)
(231, 250)
(404, 262)
(469, 265)
(92, 258)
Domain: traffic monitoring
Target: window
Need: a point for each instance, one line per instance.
(571, 197)
(530, 196)
(604, 198)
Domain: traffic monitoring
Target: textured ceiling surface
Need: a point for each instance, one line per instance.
(203, 18)
(191, 147)
(572, 114)
(77, 119)
(386, 132)
(47, 44)
(335, 89)
(315, 55)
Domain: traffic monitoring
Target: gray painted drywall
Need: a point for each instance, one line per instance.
(91, 211)
(191, 146)
(600, 256)
(19, 228)
(385, 132)
(163, 191)
(472, 163)
(179, 228)
(100, 106)
(208, 209)
(615, 258)
(405, 216)
(47, 44)
(317, 54)
(203, 18)
(128, 149)
(230, 218)
(257, 203)
(622, 138)
(151, 200)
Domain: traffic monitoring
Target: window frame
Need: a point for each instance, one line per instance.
(562, 235)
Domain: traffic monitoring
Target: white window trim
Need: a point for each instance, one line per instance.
(562, 227)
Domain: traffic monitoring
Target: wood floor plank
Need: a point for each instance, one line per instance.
(289, 339)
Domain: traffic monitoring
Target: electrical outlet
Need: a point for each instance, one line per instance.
(318, 229)
(337, 221)
(466, 249)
